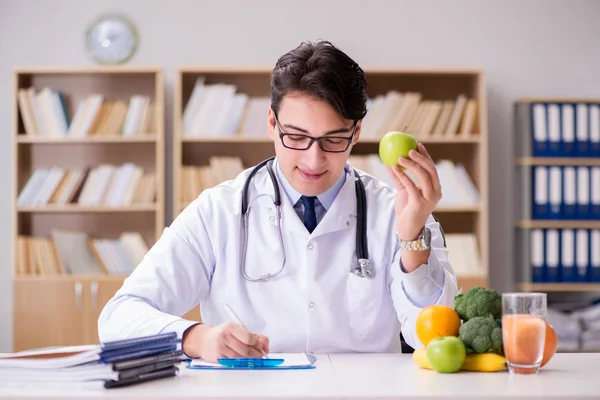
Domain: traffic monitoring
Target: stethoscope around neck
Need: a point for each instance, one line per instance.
(363, 269)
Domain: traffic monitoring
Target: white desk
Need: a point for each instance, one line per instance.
(389, 376)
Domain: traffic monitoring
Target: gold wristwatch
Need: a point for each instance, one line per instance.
(422, 242)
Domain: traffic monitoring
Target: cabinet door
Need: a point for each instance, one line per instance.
(98, 294)
(469, 282)
(48, 312)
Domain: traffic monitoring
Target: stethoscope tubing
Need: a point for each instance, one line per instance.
(362, 252)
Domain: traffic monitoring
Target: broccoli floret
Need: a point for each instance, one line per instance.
(478, 302)
(481, 335)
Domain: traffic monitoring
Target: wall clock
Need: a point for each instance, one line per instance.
(111, 39)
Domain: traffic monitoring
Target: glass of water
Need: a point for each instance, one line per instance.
(524, 331)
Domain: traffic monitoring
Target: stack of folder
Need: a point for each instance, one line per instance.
(109, 364)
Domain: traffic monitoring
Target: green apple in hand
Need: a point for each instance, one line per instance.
(446, 354)
(394, 145)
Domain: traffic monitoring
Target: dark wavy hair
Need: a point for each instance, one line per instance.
(322, 71)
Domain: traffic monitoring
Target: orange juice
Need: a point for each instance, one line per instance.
(523, 337)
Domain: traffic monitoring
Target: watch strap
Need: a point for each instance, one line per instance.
(419, 244)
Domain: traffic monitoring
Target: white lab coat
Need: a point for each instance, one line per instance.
(314, 305)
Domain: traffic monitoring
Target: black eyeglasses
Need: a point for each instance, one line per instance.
(328, 143)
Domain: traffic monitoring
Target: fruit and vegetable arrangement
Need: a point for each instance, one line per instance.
(468, 337)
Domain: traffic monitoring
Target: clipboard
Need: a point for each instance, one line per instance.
(275, 361)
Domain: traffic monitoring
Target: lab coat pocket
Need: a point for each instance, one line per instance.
(365, 298)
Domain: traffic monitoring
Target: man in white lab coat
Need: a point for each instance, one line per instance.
(315, 303)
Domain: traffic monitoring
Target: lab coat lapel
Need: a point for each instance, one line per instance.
(343, 211)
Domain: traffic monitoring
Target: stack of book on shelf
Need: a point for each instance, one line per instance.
(219, 110)
(412, 112)
(44, 114)
(103, 185)
(75, 253)
(457, 187)
(459, 190)
(196, 178)
(464, 255)
(106, 365)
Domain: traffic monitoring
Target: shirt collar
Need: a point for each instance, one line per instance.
(326, 199)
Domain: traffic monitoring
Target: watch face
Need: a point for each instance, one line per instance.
(111, 39)
(427, 236)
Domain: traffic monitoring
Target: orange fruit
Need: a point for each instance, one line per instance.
(437, 321)
(550, 345)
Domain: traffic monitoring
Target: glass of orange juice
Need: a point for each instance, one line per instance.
(523, 331)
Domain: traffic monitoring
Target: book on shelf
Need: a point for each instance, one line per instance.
(45, 113)
(560, 192)
(219, 110)
(464, 250)
(457, 187)
(101, 185)
(412, 112)
(73, 252)
(464, 254)
(558, 129)
(553, 255)
(107, 365)
(196, 178)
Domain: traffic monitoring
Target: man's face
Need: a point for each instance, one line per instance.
(313, 171)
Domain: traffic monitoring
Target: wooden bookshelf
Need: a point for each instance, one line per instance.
(557, 202)
(236, 138)
(88, 190)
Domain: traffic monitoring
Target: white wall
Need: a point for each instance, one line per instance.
(527, 48)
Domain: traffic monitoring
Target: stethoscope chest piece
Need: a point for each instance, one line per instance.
(364, 270)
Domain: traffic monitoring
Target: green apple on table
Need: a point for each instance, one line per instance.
(394, 145)
(446, 354)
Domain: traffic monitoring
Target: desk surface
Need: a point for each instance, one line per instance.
(345, 376)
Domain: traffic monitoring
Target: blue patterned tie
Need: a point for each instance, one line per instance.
(310, 218)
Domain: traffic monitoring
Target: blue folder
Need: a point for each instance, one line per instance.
(274, 361)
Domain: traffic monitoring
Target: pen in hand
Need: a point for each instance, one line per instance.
(237, 320)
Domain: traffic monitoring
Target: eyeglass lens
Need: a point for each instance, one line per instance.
(302, 142)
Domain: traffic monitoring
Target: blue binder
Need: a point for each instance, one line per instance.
(582, 256)
(594, 255)
(541, 192)
(595, 192)
(582, 128)
(569, 195)
(567, 119)
(555, 143)
(593, 145)
(567, 256)
(539, 130)
(583, 192)
(128, 349)
(552, 259)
